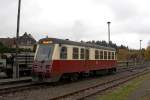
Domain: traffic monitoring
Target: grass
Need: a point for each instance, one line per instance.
(122, 92)
(145, 97)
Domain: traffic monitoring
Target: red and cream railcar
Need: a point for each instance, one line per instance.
(55, 58)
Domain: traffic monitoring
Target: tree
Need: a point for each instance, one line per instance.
(123, 54)
(2, 48)
(147, 53)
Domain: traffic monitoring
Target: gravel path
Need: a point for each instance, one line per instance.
(45, 94)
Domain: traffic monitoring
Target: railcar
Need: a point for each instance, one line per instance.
(57, 58)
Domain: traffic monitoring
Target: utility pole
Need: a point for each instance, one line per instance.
(140, 45)
(108, 32)
(16, 67)
(140, 50)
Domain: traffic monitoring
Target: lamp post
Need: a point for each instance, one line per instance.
(108, 31)
(16, 67)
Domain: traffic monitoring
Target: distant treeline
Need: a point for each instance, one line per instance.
(106, 44)
(124, 53)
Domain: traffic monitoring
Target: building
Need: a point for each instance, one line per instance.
(26, 41)
(8, 42)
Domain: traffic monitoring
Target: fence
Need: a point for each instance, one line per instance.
(24, 64)
(25, 60)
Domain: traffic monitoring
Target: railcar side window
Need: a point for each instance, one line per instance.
(87, 54)
(101, 54)
(109, 55)
(75, 53)
(82, 54)
(105, 55)
(96, 54)
(63, 53)
(113, 55)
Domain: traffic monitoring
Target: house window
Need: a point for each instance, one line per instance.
(63, 53)
(96, 54)
(82, 54)
(105, 55)
(75, 53)
(21, 43)
(28, 42)
(101, 54)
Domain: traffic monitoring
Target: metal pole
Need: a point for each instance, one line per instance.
(140, 50)
(140, 45)
(108, 32)
(16, 67)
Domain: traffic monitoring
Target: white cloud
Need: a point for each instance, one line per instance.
(79, 19)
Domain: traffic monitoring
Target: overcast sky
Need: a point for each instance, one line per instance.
(79, 20)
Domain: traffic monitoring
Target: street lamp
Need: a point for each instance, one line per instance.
(16, 67)
(108, 31)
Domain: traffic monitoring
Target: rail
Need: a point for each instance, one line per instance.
(24, 87)
(81, 94)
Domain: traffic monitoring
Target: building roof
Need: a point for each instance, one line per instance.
(26, 39)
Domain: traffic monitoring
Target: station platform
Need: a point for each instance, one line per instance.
(9, 81)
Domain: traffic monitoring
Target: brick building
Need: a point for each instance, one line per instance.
(8, 42)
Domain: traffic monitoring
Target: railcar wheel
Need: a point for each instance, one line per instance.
(74, 77)
(64, 78)
(111, 71)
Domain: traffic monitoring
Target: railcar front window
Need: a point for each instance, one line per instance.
(44, 52)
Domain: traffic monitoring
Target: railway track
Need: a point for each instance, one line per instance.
(30, 86)
(16, 88)
(12, 82)
(132, 67)
(92, 90)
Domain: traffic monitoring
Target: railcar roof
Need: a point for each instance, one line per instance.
(68, 42)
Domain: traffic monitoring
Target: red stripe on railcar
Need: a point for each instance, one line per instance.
(69, 66)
